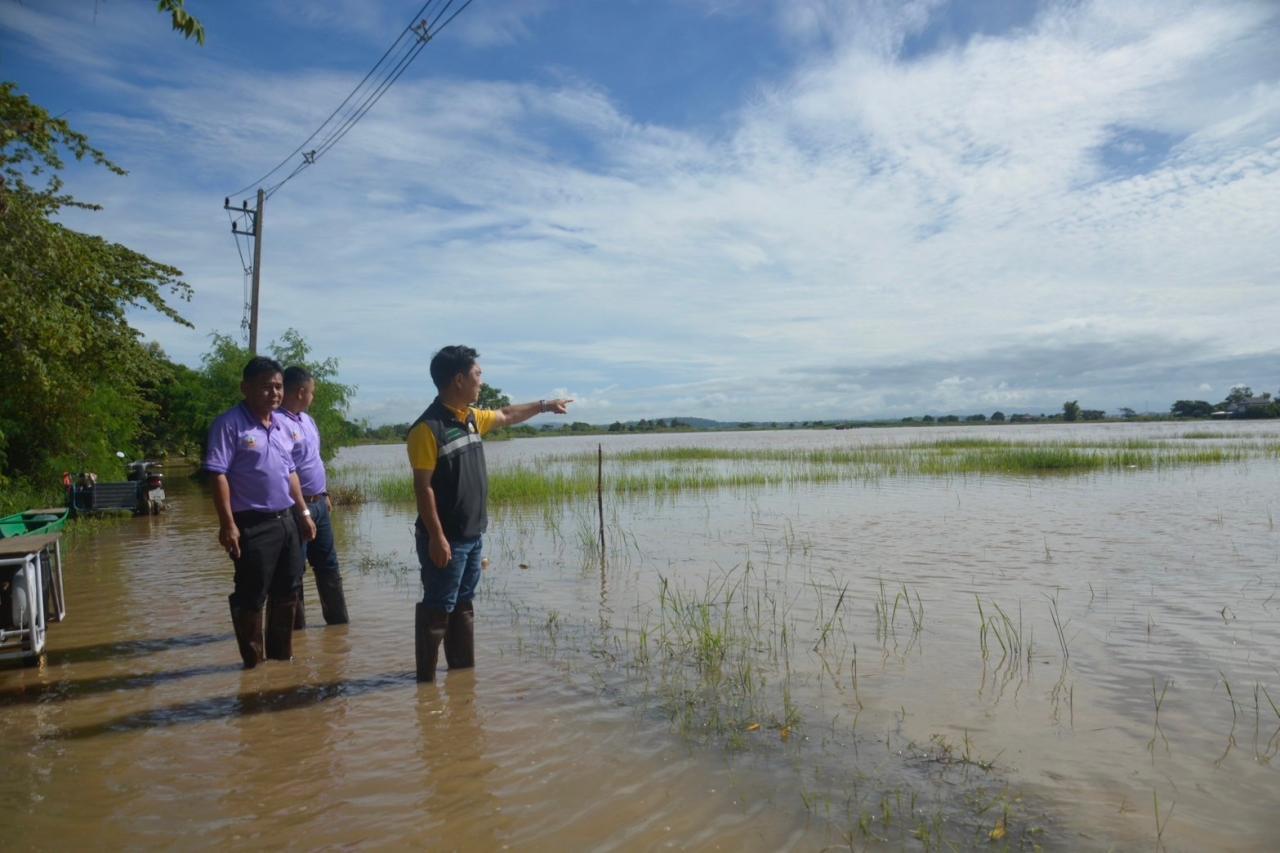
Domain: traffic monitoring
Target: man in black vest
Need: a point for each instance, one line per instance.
(452, 487)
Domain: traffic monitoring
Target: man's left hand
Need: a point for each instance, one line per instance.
(308, 529)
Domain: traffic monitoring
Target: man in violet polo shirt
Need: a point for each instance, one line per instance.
(299, 394)
(257, 496)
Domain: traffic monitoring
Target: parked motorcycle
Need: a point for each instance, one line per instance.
(150, 479)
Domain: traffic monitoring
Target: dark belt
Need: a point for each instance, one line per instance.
(313, 498)
(250, 517)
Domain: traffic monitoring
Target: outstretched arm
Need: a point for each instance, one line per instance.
(518, 413)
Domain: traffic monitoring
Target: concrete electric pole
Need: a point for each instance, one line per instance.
(256, 235)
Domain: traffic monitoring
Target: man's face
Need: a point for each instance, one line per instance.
(469, 383)
(263, 393)
(305, 395)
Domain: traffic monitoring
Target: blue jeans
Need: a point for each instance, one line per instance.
(321, 552)
(446, 588)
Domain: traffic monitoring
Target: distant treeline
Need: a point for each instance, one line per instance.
(1240, 403)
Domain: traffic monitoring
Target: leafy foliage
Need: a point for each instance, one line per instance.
(492, 398)
(75, 365)
(1191, 409)
(183, 21)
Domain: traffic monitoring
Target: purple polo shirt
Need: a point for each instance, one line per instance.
(256, 459)
(306, 450)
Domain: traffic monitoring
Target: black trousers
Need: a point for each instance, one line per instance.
(270, 561)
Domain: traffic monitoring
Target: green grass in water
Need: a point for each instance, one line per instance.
(673, 470)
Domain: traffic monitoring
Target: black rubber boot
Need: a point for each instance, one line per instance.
(459, 639)
(333, 602)
(248, 625)
(429, 627)
(299, 611)
(280, 629)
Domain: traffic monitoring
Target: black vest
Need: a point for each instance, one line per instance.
(459, 481)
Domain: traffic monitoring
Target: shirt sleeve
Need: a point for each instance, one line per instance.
(486, 419)
(422, 449)
(222, 446)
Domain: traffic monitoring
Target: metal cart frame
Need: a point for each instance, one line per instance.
(26, 642)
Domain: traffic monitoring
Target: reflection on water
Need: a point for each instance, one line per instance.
(907, 660)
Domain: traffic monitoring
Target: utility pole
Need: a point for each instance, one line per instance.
(256, 234)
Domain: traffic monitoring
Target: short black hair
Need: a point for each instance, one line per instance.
(295, 376)
(258, 365)
(449, 362)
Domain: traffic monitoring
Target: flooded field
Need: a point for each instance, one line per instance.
(897, 638)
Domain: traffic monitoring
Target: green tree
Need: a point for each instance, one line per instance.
(1191, 409)
(75, 364)
(1238, 394)
(1071, 410)
(492, 398)
(997, 417)
(177, 418)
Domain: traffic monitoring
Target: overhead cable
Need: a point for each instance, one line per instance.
(408, 44)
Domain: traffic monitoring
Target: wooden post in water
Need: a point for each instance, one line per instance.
(600, 497)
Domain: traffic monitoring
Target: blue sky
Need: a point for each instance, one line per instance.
(719, 208)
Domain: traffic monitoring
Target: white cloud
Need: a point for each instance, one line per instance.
(502, 22)
(861, 211)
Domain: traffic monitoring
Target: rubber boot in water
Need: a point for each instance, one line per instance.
(248, 625)
(429, 628)
(299, 611)
(459, 640)
(333, 602)
(280, 629)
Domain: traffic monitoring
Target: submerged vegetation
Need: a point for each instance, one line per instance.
(741, 658)
(673, 470)
(832, 661)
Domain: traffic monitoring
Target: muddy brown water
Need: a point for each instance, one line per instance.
(141, 730)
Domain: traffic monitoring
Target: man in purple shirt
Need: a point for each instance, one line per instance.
(257, 495)
(299, 394)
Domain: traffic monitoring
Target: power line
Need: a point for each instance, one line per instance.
(424, 31)
(407, 45)
(295, 151)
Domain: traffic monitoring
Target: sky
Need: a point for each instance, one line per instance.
(730, 209)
